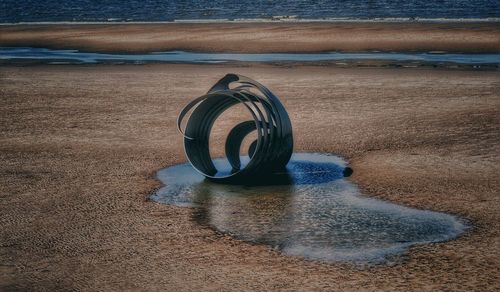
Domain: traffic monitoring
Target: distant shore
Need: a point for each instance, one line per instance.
(260, 37)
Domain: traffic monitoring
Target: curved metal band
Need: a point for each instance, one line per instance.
(269, 153)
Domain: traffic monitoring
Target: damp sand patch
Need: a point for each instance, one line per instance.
(310, 211)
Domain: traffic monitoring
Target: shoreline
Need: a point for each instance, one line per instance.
(493, 20)
(259, 37)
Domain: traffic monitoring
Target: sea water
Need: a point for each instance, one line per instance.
(15, 11)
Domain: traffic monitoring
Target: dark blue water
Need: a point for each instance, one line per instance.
(13, 11)
(77, 57)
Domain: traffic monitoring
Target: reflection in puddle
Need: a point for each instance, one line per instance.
(319, 215)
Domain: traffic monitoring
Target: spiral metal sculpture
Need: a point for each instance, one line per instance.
(269, 153)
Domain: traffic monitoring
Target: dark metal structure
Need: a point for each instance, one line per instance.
(269, 153)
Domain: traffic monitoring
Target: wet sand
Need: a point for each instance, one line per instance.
(80, 146)
(259, 37)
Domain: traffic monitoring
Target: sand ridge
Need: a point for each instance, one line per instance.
(259, 37)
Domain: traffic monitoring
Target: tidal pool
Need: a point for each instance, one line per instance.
(77, 57)
(311, 211)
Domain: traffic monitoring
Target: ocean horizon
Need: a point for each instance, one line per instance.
(82, 11)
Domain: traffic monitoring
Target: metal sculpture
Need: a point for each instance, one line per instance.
(268, 154)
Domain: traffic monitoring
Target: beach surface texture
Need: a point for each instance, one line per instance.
(80, 146)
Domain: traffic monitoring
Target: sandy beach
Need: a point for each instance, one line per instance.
(260, 37)
(80, 146)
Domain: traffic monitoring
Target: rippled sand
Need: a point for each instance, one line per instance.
(80, 146)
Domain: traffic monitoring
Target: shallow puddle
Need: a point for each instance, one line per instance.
(312, 212)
